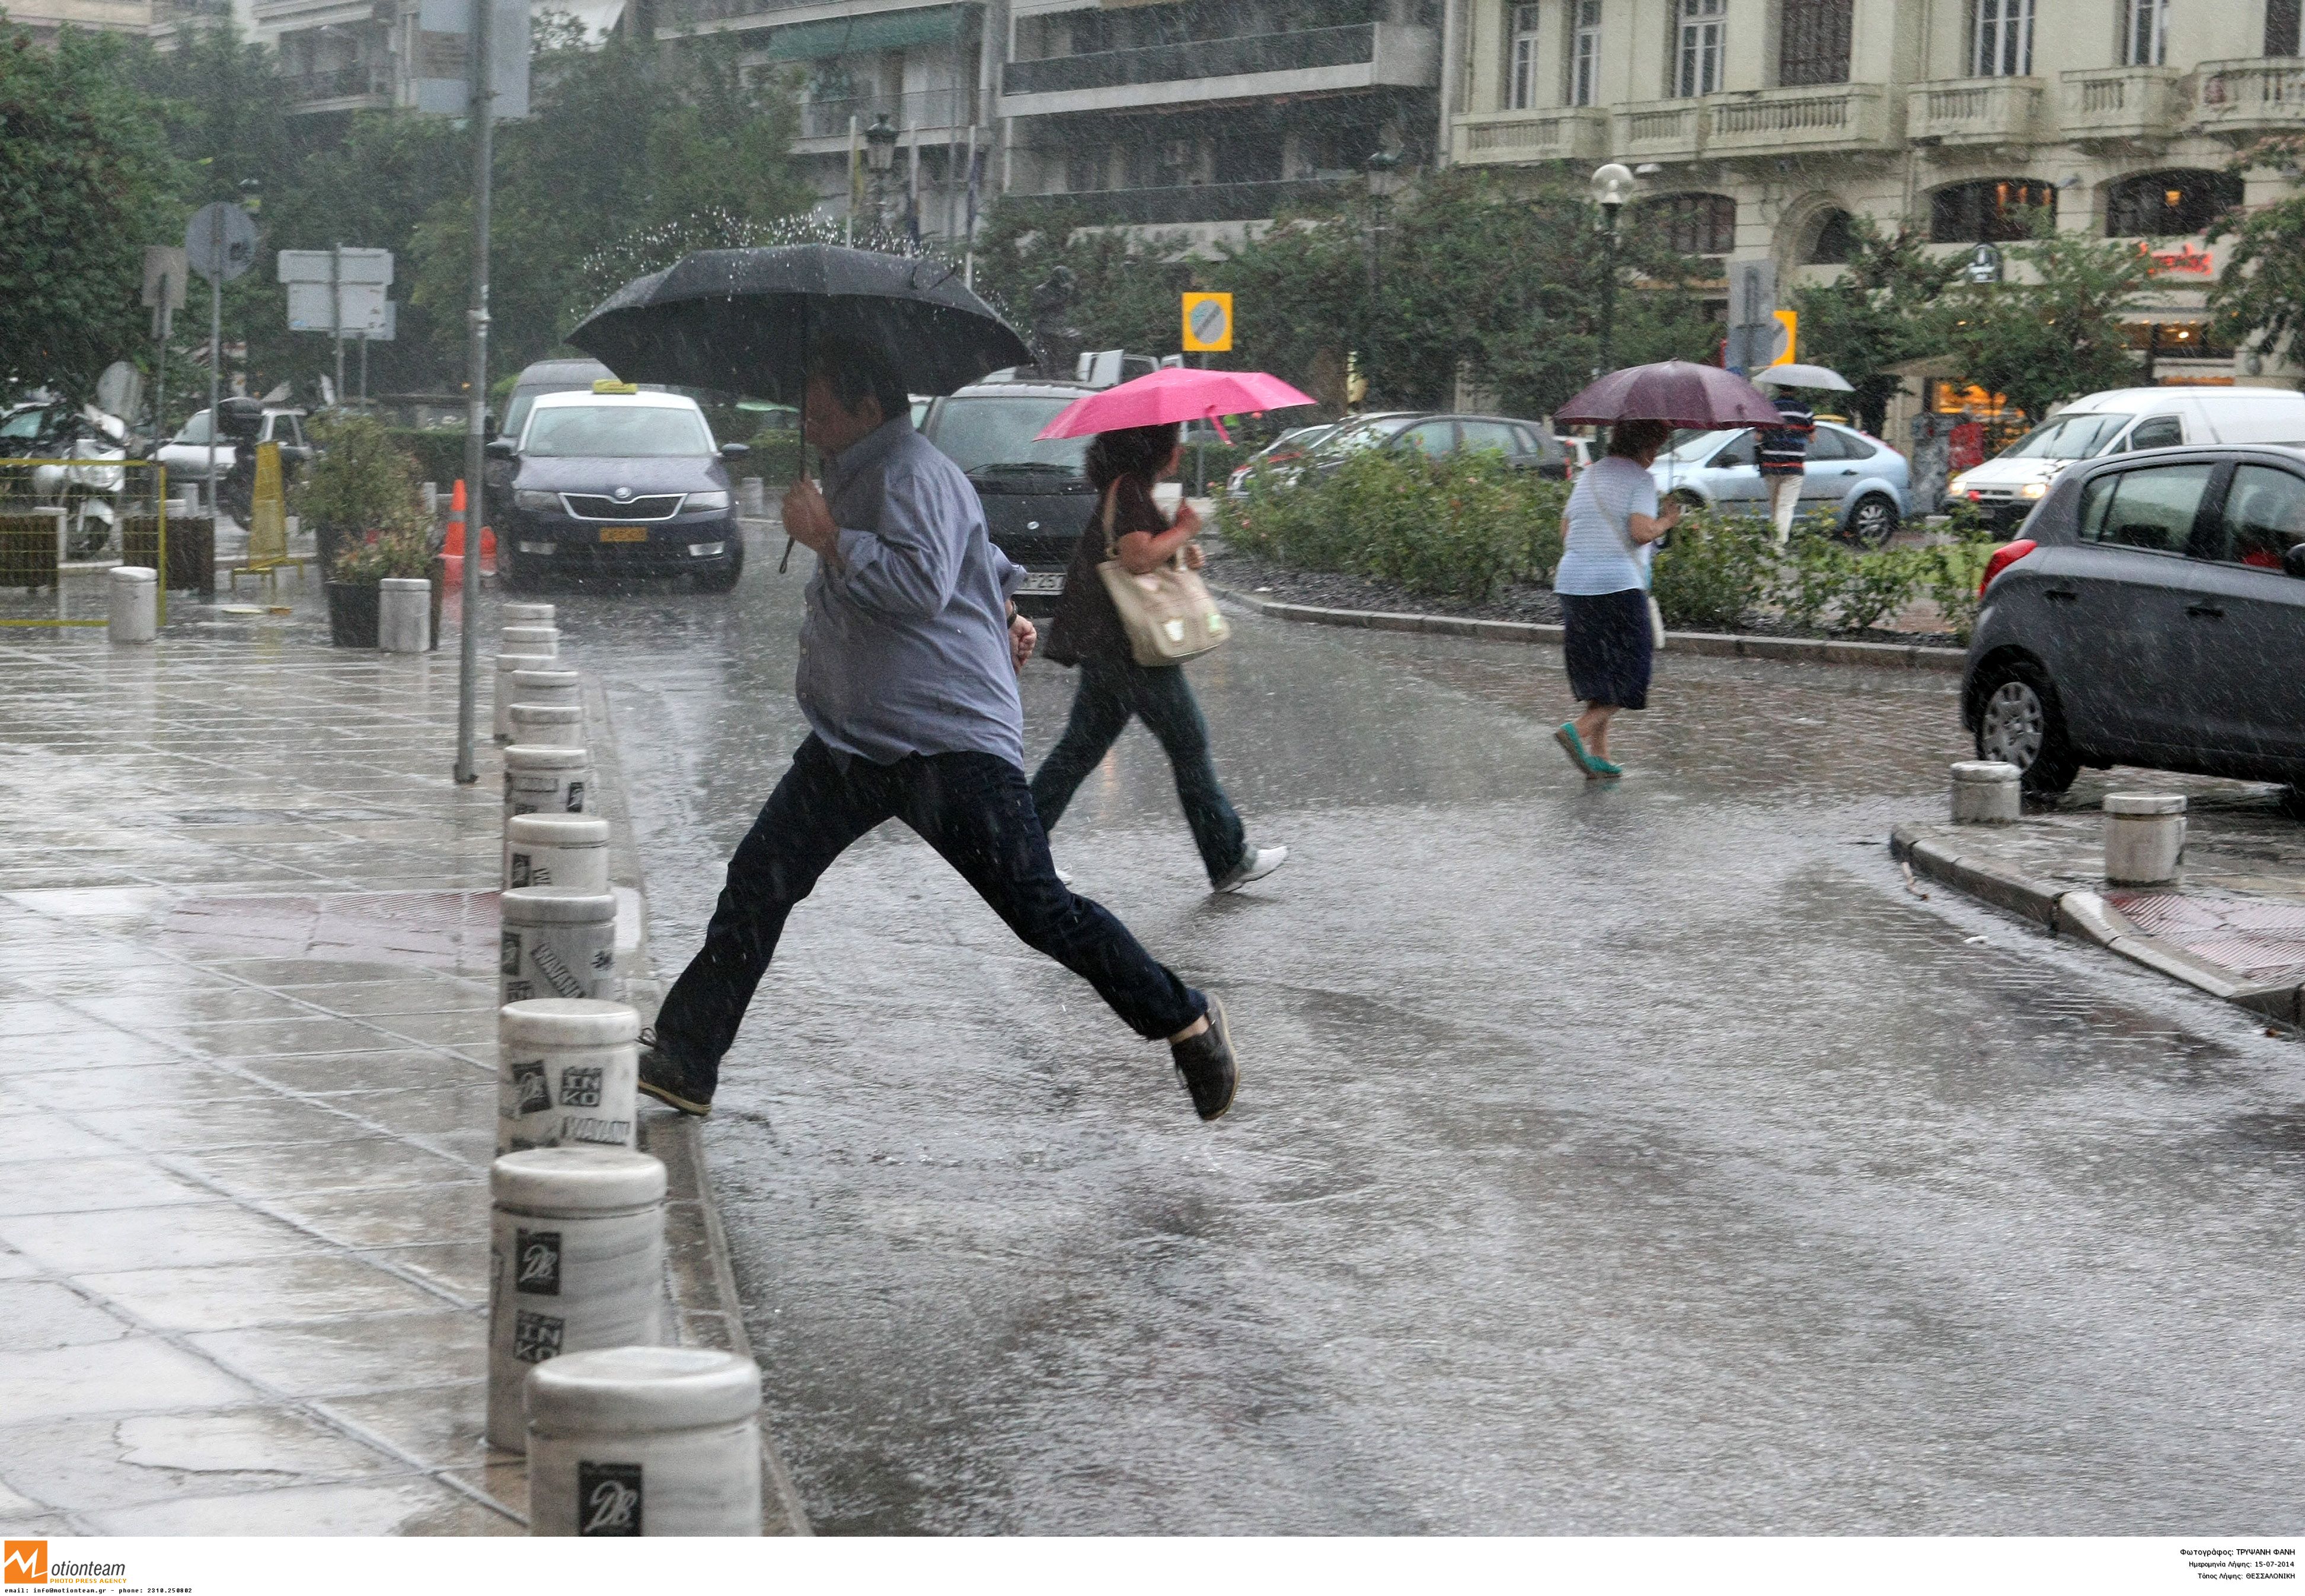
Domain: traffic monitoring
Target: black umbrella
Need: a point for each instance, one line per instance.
(744, 321)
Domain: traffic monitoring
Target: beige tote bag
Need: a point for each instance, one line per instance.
(1166, 612)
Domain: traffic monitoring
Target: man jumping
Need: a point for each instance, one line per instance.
(908, 662)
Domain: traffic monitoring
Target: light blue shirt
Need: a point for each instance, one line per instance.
(906, 647)
(1600, 556)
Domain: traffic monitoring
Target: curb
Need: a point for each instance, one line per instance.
(1796, 650)
(2066, 912)
(701, 1282)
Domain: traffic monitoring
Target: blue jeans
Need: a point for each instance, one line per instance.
(971, 808)
(1111, 692)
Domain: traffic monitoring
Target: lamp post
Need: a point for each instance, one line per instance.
(879, 155)
(1384, 180)
(1613, 186)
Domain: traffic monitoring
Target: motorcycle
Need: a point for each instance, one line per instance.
(87, 490)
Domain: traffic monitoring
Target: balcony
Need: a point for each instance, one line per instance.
(2239, 99)
(338, 89)
(1193, 202)
(2123, 105)
(1506, 137)
(1842, 118)
(1311, 61)
(1974, 111)
(938, 108)
(1660, 130)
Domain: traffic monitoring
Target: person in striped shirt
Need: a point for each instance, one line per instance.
(1784, 457)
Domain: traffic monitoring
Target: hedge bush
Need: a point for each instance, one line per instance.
(439, 453)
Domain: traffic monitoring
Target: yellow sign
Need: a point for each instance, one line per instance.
(267, 519)
(1208, 323)
(1790, 321)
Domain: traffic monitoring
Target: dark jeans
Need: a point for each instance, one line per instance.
(1111, 692)
(971, 808)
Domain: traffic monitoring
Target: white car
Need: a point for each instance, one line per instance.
(185, 456)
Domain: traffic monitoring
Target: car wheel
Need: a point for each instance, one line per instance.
(2020, 724)
(1873, 521)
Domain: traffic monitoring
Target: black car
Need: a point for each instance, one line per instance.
(611, 481)
(1035, 495)
(2151, 611)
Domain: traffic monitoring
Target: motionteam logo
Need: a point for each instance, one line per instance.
(26, 1563)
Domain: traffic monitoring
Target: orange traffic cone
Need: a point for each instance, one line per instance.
(488, 550)
(454, 547)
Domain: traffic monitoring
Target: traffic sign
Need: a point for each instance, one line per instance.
(220, 241)
(1787, 346)
(1208, 323)
(441, 66)
(347, 266)
(164, 277)
(351, 308)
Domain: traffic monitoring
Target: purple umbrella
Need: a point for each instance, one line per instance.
(1680, 392)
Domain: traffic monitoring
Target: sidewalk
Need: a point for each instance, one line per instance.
(2233, 926)
(248, 939)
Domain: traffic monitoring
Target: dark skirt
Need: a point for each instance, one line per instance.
(1606, 639)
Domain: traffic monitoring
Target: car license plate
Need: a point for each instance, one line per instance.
(624, 534)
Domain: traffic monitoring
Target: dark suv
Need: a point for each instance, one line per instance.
(2152, 612)
(1036, 497)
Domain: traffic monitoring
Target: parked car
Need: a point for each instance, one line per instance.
(609, 479)
(2152, 612)
(1525, 445)
(185, 456)
(1860, 480)
(1292, 444)
(2008, 486)
(1580, 452)
(1035, 494)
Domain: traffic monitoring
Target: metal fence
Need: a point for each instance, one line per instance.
(65, 523)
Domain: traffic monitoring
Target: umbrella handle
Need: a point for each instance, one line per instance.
(785, 563)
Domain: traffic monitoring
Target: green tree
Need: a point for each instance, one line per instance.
(2055, 328)
(85, 181)
(2259, 297)
(1884, 309)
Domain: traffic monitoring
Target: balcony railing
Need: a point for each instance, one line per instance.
(691, 13)
(1974, 111)
(342, 83)
(2241, 97)
(2123, 103)
(1200, 58)
(1660, 130)
(1501, 137)
(924, 108)
(1196, 202)
(1838, 116)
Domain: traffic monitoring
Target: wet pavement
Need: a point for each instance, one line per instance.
(1639, 1158)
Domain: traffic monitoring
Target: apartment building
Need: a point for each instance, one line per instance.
(1761, 127)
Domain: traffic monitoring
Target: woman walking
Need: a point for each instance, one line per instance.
(1087, 633)
(1608, 530)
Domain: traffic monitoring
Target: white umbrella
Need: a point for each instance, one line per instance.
(1805, 376)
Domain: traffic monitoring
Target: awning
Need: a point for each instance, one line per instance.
(860, 35)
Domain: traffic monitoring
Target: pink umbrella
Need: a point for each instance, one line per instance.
(1176, 394)
(1680, 392)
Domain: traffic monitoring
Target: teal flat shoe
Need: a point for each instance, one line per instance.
(1573, 745)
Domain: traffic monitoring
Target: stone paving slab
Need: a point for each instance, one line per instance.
(247, 932)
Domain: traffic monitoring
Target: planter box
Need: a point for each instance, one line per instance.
(351, 614)
(191, 549)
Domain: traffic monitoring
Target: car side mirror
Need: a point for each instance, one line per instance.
(2293, 559)
(502, 448)
(734, 451)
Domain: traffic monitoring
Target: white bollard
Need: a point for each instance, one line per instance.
(1986, 793)
(567, 1074)
(575, 1263)
(557, 942)
(428, 494)
(556, 851)
(133, 592)
(752, 497)
(565, 688)
(2144, 838)
(403, 615)
(531, 639)
(508, 663)
(644, 1441)
(525, 614)
(547, 726)
(548, 781)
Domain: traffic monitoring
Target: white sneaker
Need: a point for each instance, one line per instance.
(1254, 865)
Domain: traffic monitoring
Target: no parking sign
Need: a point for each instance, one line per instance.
(1208, 323)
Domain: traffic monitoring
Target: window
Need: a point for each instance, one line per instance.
(1490, 435)
(1992, 210)
(1694, 223)
(1702, 36)
(615, 432)
(1835, 244)
(1742, 450)
(1813, 42)
(1432, 437)
(2145, 32)
(2281, 20)
(1825, 444)
(1521, 93)
(2153, 203)
(2263, 518)
(2157, 432)
(1585, 52)
(2077, 435)
(2000, 43)
(2145, 509)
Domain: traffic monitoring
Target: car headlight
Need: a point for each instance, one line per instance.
(2033, 490)
(533, 498)
(715, 498)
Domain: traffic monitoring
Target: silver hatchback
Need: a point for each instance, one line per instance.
(1861, 481)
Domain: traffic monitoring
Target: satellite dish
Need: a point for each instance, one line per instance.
(120, 390)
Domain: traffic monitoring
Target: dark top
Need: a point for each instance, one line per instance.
(1087, 625)
(1784, 449)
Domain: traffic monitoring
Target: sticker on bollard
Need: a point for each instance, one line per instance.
(567, 1073)
(575, 1263)
(644, 1441)
(556, 851)
(557, 943)
(547, 781)
(547, 726)
(507, 665)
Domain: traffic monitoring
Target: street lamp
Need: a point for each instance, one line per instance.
(1613, 186)
(879, 155)
(1384, 181)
